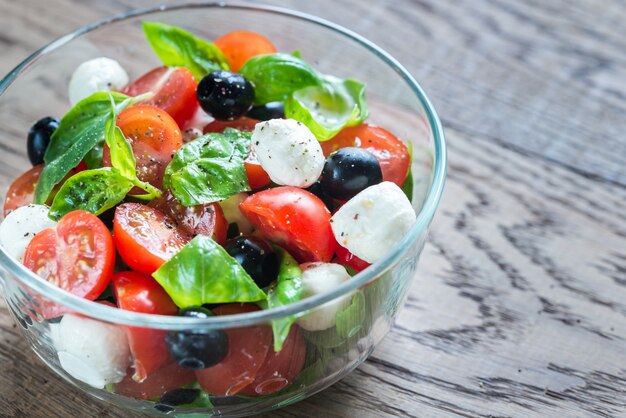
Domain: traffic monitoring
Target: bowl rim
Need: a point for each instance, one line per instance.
(109, 314)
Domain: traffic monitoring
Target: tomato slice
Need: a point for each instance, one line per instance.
(139, 292)
(240, 46)
(247, 350)
(174, 91)
(279, 369)
(391, 152)
(157, 384)
(243, 124)
(78, 255)
(22, 190)
(347, 258)
(154, 136)
(206, 219)
(145, 238)
(257, 176)
(294, 219)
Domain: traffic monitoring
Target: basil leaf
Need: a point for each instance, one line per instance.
(329, 107)
(209, 168)
(349, 321)
(285, 290)
(92, 190)
(276, 76)
(122, 157)
(178, 48)
(80, 130)
(203, 272)
(407, 186)
(93, 159)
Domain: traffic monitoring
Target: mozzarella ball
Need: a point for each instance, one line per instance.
(91, 351)
(288, 152)
(20, 226)
(98, 74)
(371, 223)
(233, 215)
(320, 278)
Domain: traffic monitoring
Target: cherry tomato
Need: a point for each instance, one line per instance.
(347, 258)
(243, 124)
(292, 218)
(78, 255)
(22, 190)
(145, 238)
(154, 136)
(174, 91)
(391, 152)
(206, 220)
(247, 350)
(139, 292)
(157, 384)
(279, 369)
(82, 166)
(240, 46)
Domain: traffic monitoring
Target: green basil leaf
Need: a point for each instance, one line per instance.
(92, 190)
(122, 157)
(209, 168)
(349, 321)
(80, 130)
(407, 186)
(285, 290)
(203, 272)
(93, 159)
(327, 108)
(178, 48)
(276, 76)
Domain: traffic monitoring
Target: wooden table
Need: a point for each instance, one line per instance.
(519, 308)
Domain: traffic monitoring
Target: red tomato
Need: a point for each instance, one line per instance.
(243, 124)
(139, 292)
(347, 258)
(391, 152)
(77, 256)
(240, 46)
(279, 369)
(174, 91)
(82, 166)
(206, 220)
(247, 350)
(294, 219)
(22, 190)
(155, 138)
(145, 238)
(157, 384)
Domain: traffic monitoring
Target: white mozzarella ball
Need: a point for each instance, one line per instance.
(98, 74)
(233, 215)
(20, 226)
(320, 278)
(91, 351)
(288, 152)
(371, 223)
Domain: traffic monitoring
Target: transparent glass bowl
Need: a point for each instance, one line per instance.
(38, 87)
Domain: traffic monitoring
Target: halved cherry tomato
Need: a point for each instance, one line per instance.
(279, 369)
(240, 46)
(292, 218)
(243, 124)
(206, 220)
(138, 292)
(391, 152)
(157, 384)
(247, 350)
(77, 256)
(154, 136)
(82, 166)
(174, 91)
(145, 238)
(22, 190)
(257, 176)
(347, 258)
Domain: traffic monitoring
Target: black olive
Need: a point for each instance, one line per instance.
(256, 257)
(272, 110)
(349, 170)
(39, 138)
(225, 95)
(176, 397)
(197, 349)
(317, 190)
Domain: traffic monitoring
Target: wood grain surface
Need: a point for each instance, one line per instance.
(519, 308)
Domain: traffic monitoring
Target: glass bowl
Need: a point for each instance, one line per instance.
(38, 87)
